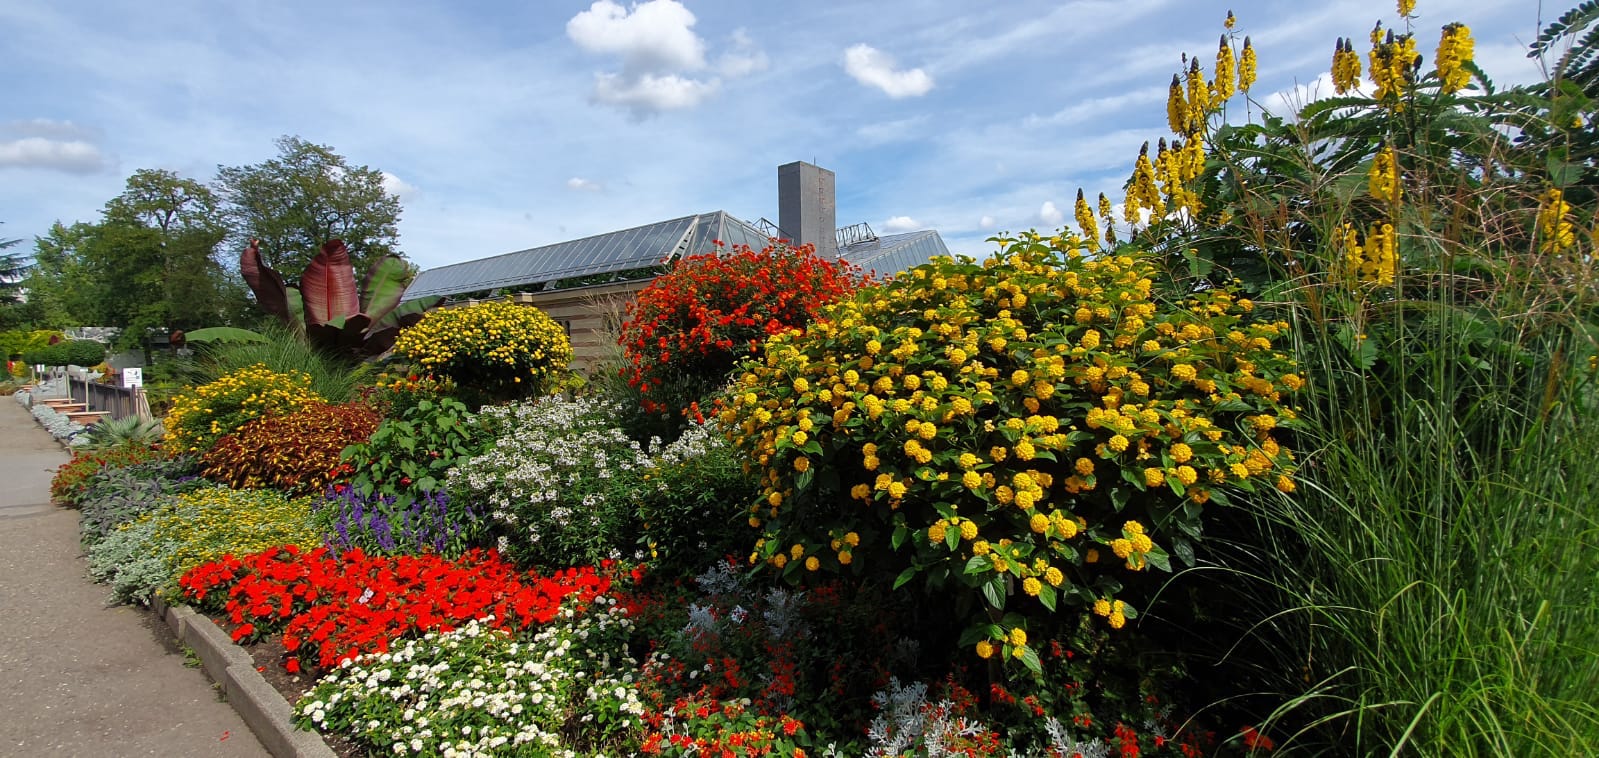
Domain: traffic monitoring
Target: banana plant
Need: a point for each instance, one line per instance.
(328, 308)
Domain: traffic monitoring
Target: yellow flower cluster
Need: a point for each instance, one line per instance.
(1246, 66)
(1345, 67)
(202, 526)
(1226, 69)
(1393, 61)
(1382, 180)
(980, 415)
(497, 346)
(1085, 218)
(1455, 48)
(1374, 262)
(202, 415)
(1556, 233)
(1141, 192)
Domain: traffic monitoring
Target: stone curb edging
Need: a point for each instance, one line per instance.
(256, 701)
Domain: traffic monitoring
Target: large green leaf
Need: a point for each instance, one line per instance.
(384, 286)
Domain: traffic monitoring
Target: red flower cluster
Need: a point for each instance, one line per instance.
(343, 606)
(725, 729)
(691, 325)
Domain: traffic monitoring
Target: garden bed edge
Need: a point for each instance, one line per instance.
(268, 715)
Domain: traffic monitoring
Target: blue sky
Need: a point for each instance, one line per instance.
(505, 125)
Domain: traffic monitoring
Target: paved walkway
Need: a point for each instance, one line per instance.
(78, 678)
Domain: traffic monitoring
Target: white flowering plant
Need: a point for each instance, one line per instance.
(558, 481)
(566, 688)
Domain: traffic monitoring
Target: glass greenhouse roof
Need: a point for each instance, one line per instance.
(888, 255)
(609, 253)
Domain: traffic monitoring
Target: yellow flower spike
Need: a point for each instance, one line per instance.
(1230, 20)
(1226, 66)
(1382, 180)
(1085, 218)
(1406, 8)
(1345, 67)
(1176, 107)
(1455, 48)
(1556, 233)
(1246, 66)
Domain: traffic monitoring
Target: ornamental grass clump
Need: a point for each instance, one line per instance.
(689, 328)
(202, 415)
(1037, 429)
(499, 349)
(296, 453)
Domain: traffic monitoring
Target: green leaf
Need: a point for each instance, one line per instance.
(904, 577)
(803, 481)
(976, 565)
(1047, 597)
(1030, 658)
(994, 591)
(901, 533)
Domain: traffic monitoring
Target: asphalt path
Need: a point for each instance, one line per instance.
(80, 677)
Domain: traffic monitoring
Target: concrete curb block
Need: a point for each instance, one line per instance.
(261, 706)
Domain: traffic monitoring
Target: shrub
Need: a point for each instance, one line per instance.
(73, 479)
(1037, 428)
(691, 325)
(334, 377)
(410, 455)
(499, 349)
(202, 415)
(482, 691)
(559, 481)
(297, 452)
(147, 556)
(66, 353)
(692, 506)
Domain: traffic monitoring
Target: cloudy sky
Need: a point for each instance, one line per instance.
(504, 125)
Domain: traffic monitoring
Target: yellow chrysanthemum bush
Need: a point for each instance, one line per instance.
(202, 415)
(502, 350)
(1033, 429)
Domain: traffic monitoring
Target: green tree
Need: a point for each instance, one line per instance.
(13, 269)
(304, 197)
(61, 292)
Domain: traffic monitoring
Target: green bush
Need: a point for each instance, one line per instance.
(120, 495)
(67, 353)
(691, 506)
(1035, 430)
(411, 454)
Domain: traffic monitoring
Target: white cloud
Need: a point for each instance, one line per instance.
(1050, 215)
(658, 49)
(398, 187)
(744, 59)
(650, 94)
(49, 128)
(584, 185)
(654, 36)
(70, 156)
(986, 222)
(874, 68)
(900, 224)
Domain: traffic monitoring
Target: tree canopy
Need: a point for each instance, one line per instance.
(304, 197)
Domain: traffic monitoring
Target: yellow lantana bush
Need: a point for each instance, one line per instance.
(202, 415)
(1034, 428)
(506, 350)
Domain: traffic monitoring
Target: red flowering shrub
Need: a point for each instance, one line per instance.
(295, 453)
(73, 478)
(340, 607)
(691, 325)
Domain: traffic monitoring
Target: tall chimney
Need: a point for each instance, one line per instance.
(806, 208)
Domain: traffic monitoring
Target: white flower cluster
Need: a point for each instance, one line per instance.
(478, 691)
